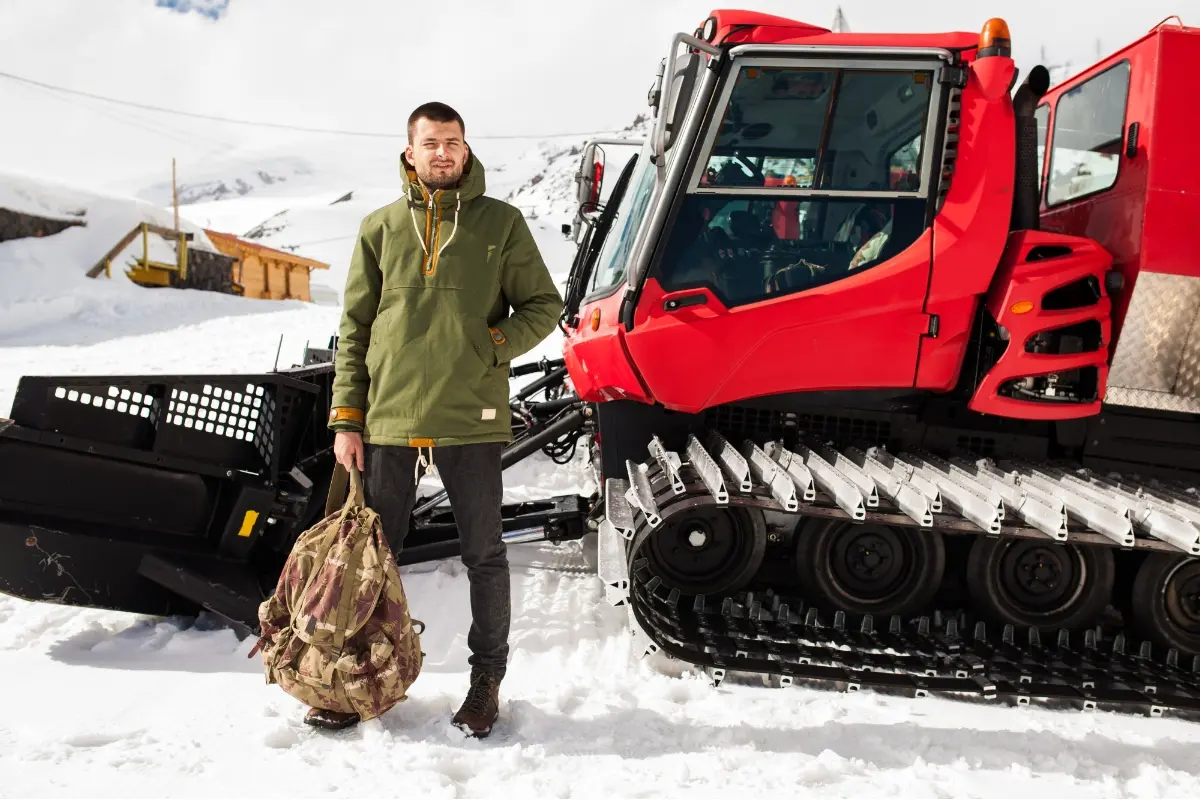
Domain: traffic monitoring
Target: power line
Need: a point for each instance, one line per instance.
(262, 124)
(317, 241)
(161, 129)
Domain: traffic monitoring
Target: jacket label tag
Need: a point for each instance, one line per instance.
(489, 413)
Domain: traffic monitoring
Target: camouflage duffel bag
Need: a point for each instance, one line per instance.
(336, 634)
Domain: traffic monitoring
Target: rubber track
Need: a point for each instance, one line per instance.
(779, 636)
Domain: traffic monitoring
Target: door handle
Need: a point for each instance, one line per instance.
(676, 303)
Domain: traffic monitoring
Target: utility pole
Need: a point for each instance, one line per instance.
(174, 194)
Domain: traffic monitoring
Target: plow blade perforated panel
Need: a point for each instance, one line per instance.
(152, 494)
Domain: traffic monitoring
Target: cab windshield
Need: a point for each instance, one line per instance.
(811, 175)
(823, 129)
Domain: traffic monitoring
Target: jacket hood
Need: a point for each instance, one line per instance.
(470, 185)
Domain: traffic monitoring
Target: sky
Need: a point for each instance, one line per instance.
(534, 67)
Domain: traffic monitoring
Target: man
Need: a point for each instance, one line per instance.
(421, 370)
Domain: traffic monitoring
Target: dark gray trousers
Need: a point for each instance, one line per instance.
(473, 479)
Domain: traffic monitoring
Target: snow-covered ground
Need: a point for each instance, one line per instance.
(115, 705)
(111, 704)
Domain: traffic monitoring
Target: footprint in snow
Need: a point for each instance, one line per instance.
(95, 739)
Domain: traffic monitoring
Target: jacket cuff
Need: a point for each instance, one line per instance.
(501, 346)
(345, 418)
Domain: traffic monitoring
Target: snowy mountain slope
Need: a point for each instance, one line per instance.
(236, 179)
(550, 192)
(47, 299)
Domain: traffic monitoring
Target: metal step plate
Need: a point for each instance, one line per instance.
(612, 564)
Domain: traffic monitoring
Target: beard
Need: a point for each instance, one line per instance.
(439, 178)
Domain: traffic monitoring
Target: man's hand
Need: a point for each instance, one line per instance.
(348, 449)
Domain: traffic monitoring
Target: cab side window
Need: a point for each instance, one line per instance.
(1089, 136)
(613, 261)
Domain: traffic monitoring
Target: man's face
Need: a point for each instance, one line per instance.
(438, 153)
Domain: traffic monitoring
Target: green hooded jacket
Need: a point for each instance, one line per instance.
(426, 334)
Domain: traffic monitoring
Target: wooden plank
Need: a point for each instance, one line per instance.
(253, 278)
(301, 284)
(166, 233)
(111, 254)
(277, 279)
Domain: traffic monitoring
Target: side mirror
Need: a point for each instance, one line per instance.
(677, 89)
(683, 78)
(589, 182)
(590, 178)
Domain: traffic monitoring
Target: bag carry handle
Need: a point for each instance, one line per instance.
(337, 489)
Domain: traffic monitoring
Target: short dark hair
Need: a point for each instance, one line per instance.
(434, 112)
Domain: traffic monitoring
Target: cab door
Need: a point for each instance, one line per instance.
(594, 351)
(741, 299)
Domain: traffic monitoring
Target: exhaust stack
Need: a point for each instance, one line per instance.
(1028, 171)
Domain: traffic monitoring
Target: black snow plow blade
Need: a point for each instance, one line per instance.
(167, 495)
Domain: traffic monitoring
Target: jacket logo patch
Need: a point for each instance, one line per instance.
(489, 413)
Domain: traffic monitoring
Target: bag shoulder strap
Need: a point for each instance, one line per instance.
(355, 499)
(337, 497)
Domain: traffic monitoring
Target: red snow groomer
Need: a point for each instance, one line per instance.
(889, 358)
(889, 363)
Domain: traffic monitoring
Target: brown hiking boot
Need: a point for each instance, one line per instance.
(330, 720)
(482, 705)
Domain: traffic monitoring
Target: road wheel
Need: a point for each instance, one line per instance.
(1035, 583)
(1166, 601)
(869, 568)
(709, 550)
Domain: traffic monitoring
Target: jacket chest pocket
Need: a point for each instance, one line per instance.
(401, 257)
(468, 268)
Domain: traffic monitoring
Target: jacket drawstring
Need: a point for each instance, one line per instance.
(453, 221)
(422, 462)
(420, 237)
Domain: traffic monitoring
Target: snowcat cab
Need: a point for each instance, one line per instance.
(817, 208)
